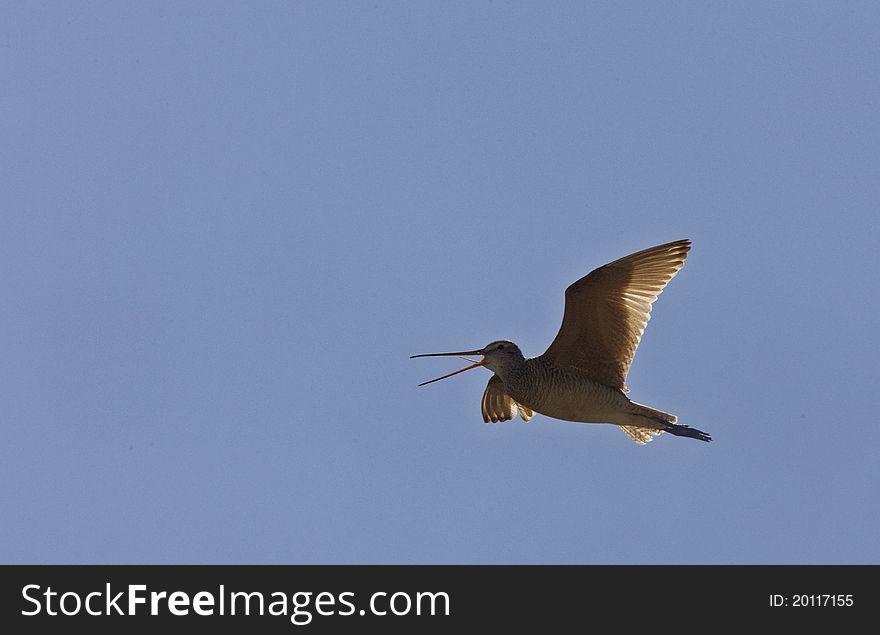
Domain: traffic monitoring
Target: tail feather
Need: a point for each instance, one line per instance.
(660, 421)
(656, 416)
(689, 432)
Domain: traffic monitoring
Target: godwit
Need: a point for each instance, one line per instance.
(582, 376)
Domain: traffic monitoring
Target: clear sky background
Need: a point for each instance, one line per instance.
(226, 226)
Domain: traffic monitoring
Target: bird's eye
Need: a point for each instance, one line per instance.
(501, 347)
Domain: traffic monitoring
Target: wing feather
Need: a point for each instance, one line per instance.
(606, 313)
(498, 406)
(640, 435)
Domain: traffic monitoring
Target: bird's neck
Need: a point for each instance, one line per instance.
(511, 372)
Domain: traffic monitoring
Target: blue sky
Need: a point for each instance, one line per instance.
(226, 226)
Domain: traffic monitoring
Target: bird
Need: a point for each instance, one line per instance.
(581, 377)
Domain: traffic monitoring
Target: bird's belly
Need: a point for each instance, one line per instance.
(579, 401)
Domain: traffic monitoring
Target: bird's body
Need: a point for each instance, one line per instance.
(581, 377)
(537, 385)
(565, 395)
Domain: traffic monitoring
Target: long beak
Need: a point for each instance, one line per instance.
(458, 354)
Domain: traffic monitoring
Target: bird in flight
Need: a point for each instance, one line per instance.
(582, 376)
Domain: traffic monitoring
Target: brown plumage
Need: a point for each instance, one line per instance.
(607, 310)
(582, 375)
(498, 406)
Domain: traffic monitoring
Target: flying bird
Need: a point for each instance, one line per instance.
(582, 376)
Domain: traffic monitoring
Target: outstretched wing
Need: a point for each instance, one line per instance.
(499, 406)
(607, 310)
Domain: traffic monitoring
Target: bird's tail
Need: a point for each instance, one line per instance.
(662, 422)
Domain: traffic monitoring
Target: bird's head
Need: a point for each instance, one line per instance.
(501, 355)
(498, 356)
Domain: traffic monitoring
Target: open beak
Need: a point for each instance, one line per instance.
(458, 354)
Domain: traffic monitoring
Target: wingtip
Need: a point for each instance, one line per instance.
(684, 243)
